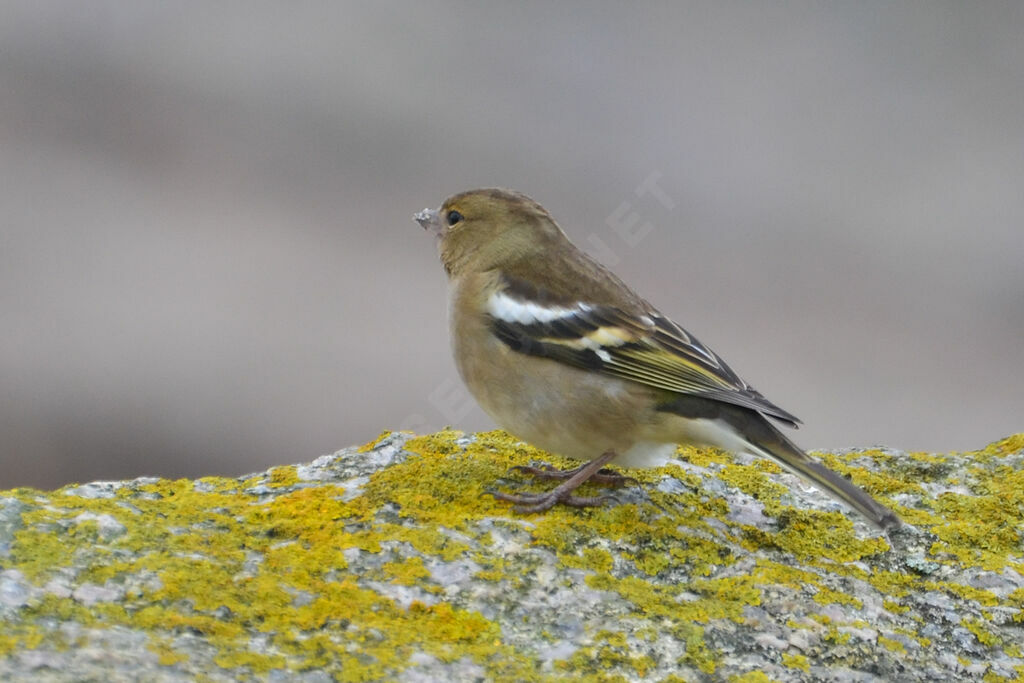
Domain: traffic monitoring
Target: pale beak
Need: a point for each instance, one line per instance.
(430, 219)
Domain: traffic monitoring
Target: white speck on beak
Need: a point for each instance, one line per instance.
(430, 220)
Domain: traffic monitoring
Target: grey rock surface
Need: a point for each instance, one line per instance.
(390, 562)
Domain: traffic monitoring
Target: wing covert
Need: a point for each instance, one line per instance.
(641, 346)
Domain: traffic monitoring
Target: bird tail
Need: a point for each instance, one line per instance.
(764, 439)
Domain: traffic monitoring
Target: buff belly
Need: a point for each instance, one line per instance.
(529, 397)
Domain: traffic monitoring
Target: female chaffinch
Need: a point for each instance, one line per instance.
(561, 353)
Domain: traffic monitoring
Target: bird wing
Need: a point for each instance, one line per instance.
(638, 345)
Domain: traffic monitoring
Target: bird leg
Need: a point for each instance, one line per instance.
(604, 476)
(538, 502)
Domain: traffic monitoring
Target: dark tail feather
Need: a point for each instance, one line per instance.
(763, 436)
(764, 439)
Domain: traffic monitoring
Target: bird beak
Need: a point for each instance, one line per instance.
(430, 220)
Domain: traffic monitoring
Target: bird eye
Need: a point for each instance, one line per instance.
(454, 217)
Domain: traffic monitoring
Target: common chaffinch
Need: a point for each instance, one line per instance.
(562, 354)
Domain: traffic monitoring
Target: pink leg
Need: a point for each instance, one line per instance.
(603, 476)
(538, 502)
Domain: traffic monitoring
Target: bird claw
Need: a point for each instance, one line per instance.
(541, 472)
(604, 476)
(538, 502)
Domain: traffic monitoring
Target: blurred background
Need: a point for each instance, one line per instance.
(208, 263)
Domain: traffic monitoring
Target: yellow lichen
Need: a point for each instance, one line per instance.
(752, 677)
(891, 644)
(1011, 444)
(370, 445)
(283, 476)
(702, 457)
(895, 607)
(983, 635)
(796, 661)
(408, 572)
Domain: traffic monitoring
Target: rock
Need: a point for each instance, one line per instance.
(390, 562)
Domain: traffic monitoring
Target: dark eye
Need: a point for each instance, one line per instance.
(454, 217)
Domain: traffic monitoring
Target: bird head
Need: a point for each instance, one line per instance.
(482, 229)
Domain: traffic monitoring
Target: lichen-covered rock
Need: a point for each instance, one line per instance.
(389, 562)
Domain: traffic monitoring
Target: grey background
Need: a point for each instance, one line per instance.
(207, 262)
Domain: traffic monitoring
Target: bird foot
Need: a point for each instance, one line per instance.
(604, 476)
(539, 502)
